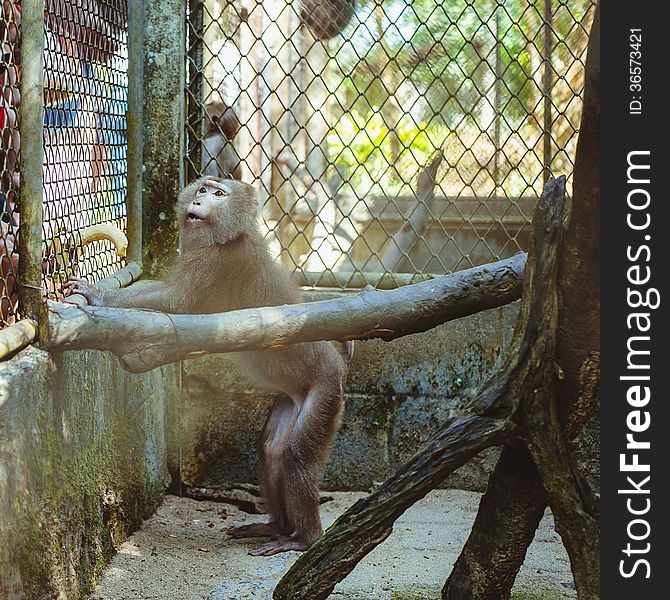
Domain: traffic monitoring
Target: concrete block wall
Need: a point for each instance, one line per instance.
(83, 460)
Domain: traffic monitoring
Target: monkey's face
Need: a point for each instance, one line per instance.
(216, 211)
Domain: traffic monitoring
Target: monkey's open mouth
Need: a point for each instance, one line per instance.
(193, 218)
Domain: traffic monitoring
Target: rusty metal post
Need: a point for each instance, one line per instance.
(31, 128)
(195, 91)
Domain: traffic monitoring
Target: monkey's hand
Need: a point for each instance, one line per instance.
(77, 285)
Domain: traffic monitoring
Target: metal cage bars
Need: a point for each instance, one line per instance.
(10, 23)
(85, 135)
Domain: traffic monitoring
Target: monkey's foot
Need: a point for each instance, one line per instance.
(254, 530)
(284, 544)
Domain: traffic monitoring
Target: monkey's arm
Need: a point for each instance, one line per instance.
(155, 295)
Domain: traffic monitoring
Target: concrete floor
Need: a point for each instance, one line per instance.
(182, 553)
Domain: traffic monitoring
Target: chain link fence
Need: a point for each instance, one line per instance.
(84, 133)
(86, 91)
(10, 22)
(387, 137)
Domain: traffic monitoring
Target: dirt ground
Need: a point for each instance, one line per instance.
(183, 553)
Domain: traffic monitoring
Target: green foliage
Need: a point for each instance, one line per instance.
(361, 145)
(406, 75)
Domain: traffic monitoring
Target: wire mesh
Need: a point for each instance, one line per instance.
(85, 170)
(336, 108)
(10, 21)
(84, 173)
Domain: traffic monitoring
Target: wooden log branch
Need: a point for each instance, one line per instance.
(122, 278)
(370, 520)
(17, 336)
(147, 339)
(21, 334)
(578, 340)
(486, 570)
(247, 497)
(573, 504)
(488, 422)
(566, 407)
(571, 500)
(359, 279)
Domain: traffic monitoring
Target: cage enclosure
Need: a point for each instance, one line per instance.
(390, 143)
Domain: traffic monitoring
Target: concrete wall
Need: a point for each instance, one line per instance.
(397, 396)
(83, 460)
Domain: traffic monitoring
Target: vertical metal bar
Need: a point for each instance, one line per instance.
(195, 87)
(134, 118)
(31, 128)
(547, 84)
(496, 101)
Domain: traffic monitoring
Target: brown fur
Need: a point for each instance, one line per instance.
(326, 18)
(219, 157)
(226, 266)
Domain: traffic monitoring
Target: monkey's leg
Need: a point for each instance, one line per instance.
(306, 449)
(274, 438)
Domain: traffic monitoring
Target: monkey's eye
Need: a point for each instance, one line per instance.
(219, 193)
(202, 190)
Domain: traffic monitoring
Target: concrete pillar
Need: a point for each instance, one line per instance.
(163, 131)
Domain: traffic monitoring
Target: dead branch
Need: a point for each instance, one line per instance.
(508, 516)
(147, 339)
(244, 500)
(573, 504)
(246, 497)
(488, 422)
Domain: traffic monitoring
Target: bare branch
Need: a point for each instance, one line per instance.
(398, 247)
(146, 339)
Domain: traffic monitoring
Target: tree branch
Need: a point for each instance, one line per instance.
(509, 513)
(146, 339)
(399, 246)
(370, 521)
(574, 506)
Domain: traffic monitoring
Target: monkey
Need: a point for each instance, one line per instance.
(219, 157)
(326, 18)
(226, 265)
